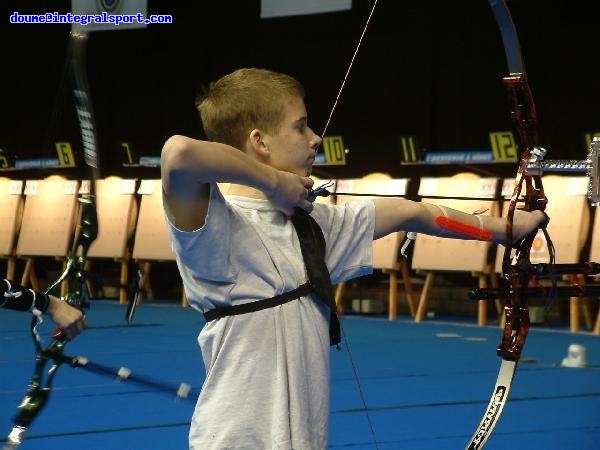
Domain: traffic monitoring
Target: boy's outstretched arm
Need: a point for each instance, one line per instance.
(395, 214)
(189, 165)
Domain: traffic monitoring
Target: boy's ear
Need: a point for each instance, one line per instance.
(257, 143)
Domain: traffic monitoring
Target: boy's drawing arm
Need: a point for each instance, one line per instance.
(188, 166)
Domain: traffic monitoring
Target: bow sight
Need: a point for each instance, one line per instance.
(537, 166)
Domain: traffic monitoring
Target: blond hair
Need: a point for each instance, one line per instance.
(244, 100)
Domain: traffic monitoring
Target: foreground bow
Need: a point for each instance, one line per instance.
(517, 269)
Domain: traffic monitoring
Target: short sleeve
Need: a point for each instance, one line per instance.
(348, 231)
(206, 252)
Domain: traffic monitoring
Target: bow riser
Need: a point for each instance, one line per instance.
(517, 275)
(523, 111)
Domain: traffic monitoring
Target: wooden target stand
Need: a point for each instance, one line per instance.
(151, 235)
(117, 209)
(386, 249)
(11, 214)
(433, 254)
(47, 225)
(594, 256)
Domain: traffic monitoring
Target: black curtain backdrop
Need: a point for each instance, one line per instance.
(429, 68)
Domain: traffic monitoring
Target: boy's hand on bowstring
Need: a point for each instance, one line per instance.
(291, 191)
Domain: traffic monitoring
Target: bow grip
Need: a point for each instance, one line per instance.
(515, 332)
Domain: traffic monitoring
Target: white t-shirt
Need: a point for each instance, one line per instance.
(267, 380)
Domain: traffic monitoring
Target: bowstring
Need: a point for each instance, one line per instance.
(347, 74)
(325, 128)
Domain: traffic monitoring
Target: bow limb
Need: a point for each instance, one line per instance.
(517, 269)
(87, 231)
(87, 228)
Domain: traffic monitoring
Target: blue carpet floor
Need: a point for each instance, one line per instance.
(426, 385)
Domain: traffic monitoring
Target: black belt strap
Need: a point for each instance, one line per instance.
(259, 305)
(312, 245)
